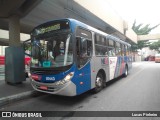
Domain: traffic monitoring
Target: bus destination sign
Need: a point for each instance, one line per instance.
(48, 29)
(52, 26)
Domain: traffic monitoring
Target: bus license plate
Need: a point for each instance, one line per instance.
(43, 87)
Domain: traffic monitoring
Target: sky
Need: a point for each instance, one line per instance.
(143, 11)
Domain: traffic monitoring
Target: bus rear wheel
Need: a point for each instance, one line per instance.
(126, 72)
(98, 83)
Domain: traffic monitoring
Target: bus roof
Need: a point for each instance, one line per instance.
(78, 23)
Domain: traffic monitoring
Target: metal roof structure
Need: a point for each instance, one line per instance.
(35, 12)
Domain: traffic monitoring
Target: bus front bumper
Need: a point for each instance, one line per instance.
(67, 89)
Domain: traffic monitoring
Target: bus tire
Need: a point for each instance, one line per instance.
(126, 72)
(98, 83)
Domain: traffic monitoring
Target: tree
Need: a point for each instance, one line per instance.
(155, 46)
(140, 30)
(134, 47)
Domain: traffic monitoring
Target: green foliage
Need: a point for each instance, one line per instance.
(155, 46)
(134, 47)
(142, 44)
(27, 47)
(140, 30)
(139, 45)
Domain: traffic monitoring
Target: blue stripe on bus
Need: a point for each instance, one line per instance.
(56, 77)
(117, 67)
(82, 75)
(120, 65)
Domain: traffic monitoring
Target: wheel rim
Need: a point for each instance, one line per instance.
(126, 72)
(99, 82)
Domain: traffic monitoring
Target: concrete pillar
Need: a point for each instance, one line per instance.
(14, 31)
(14, 54)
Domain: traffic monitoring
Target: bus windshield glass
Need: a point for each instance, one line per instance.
(51, 52)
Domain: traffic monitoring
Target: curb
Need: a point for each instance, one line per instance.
(17, 97)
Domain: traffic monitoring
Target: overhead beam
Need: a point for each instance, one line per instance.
(148, 37)
(4, 42)
(83, 10)
(27, 6)
(9, 7)
(17, 7)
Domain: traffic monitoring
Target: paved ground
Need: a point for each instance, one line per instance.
(140, 91)
(1, 72)
(12, 89)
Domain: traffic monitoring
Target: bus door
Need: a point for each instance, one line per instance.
(112, 62)
(83, 53)
(119, 62)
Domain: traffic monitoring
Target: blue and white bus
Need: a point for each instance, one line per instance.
(69, 58)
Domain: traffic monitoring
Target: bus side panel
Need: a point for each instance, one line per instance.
(93, 72)
(112, 67)
(120, 66)
(117, 65)
(128, 61)
(82, 79)
(98, 63)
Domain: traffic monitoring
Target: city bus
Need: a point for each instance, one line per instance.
(69, 57)
(157, 58)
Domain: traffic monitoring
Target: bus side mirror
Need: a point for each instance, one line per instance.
(27, 47)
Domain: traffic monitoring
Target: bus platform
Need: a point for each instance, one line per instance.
(11, 93)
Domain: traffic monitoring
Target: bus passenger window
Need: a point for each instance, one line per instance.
(111, 52)
(101, 50)
(123, 50)
(84, 51)
(118, 49)
(127, 50)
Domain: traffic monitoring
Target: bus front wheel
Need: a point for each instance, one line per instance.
(98, 83)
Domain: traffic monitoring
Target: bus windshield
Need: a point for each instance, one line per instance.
(51, 52)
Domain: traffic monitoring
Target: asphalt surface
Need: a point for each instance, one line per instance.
(1, 72)
(140, 91)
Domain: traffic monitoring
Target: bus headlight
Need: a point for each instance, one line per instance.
(69, 76)
(66, 79)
